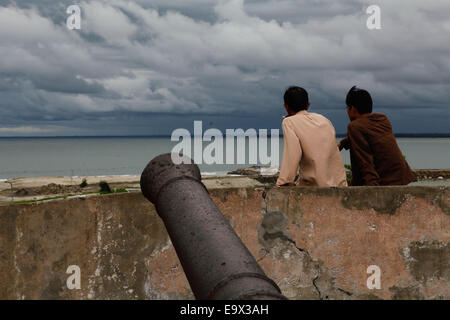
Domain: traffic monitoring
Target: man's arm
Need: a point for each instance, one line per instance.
(344, 144)
(364, 156)
(291, 156)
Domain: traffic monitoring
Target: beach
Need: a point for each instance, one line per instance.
(30, 189)
(46, 169)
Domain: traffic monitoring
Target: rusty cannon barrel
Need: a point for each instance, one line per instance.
(216, 263)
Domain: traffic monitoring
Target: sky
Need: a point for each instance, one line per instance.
(150, 67)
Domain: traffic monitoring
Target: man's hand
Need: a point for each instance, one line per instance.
(287, 185)
(344, 144)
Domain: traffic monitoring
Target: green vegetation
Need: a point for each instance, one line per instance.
(104, 187)
(83, 184)
(43, 199)
(349, 175)
(67, 196)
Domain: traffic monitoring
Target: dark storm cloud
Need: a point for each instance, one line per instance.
(148, 67)
(66, 85)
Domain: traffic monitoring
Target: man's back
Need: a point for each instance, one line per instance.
(375, 156)
(310, 142)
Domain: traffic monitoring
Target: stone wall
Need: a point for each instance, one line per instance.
(316, 243)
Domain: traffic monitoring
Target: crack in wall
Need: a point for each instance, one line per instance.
(273, 227)
(316, 265)
(345, 292)
(315, 285)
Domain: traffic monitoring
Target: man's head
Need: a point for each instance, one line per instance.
(295, 100)
(358, 102)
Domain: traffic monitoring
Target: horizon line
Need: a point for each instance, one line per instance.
(399, 135)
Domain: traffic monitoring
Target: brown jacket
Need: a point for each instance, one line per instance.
(374, 153)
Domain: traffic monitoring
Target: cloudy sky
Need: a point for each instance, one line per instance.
(149, 67)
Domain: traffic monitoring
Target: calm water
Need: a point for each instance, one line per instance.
(33, 157)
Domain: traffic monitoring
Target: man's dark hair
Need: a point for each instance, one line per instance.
(296, 98)
(360, 99)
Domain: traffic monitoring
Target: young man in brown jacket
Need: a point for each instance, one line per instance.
(375, 156)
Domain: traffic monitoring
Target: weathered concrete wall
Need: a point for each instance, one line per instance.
(316, 243)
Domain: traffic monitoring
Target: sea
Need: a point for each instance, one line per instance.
(104, 156)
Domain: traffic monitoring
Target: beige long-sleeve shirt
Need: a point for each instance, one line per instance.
(310, 143)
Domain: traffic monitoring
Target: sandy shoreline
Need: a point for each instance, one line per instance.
(33, 182)
(38, 188)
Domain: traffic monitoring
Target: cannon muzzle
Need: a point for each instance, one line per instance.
(216, 263)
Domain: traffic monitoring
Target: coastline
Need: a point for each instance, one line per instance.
(31, 182)
(30, 189)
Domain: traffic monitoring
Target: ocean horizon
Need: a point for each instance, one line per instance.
(77, 156)
(338, 135)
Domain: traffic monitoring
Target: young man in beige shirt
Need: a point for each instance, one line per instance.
(309, 144)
